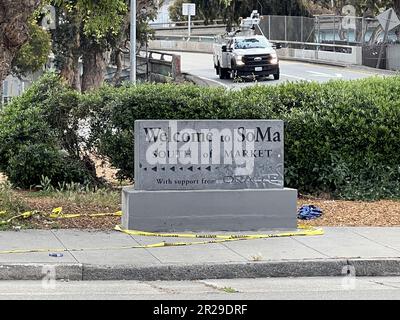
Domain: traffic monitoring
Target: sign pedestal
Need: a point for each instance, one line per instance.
(209, 210)
(209, 176)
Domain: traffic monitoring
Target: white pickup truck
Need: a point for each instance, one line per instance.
(239, 56)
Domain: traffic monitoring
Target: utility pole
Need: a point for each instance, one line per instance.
(378, 63)
(133, 42)
(189, 22)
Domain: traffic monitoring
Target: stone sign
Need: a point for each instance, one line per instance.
(208, 154)
(209, 175)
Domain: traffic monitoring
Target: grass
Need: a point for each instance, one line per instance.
(10, 201)
(257, 257)
(72, 198)
(101, 197)
(229, 290)
(10, 205)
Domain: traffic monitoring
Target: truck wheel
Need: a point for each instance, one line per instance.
(234, 74)
(223, 73)
(276, 76)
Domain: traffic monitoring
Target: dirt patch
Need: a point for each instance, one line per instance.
(105, 170)
(3, 178)
(73, 204)
(335, 213)
(355, 213)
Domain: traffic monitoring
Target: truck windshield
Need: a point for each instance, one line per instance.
(249, 43)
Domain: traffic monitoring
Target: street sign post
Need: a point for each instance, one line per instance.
(189, 9)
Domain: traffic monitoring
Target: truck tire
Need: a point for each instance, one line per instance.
(234, 74)
(223, 73)
(276, 76)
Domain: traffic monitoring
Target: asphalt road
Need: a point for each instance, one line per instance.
(201, 65)
(241, 289)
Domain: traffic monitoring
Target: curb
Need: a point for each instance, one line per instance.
(216, 271)
(389, 267)
(200, 81)
(313, 61)
(38, 271)
(287, 268)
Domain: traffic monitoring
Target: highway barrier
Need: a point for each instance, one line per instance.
(313, 52)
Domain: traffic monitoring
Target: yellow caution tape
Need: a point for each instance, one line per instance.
(57, 211)
(305, 231)
(58, 214)
(215, 238)
(24, 215)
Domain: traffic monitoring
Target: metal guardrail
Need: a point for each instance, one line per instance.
(156, 63)
(158, 55)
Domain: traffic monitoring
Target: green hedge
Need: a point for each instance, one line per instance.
(39, 136)
(341, 137)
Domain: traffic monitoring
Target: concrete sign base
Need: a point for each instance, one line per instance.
(209, 210)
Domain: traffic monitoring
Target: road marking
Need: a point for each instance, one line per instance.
(294, 77)
(321, 74)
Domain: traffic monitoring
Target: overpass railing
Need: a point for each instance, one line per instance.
(210, 39)
(336, 53)
(184, 24)
(342, 48)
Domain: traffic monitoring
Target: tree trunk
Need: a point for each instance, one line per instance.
(119, 50)
(118, 62)
(70, 70)
(94, 67)
(14, 17)
(1, 94)
(396, 6)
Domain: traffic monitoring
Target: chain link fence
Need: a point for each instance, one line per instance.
(288, 28)
(302, 32)
(324, 29)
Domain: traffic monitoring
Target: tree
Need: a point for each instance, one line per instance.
(34, 54)
(86, 29)
(14, 31)
(89, 30)
(175, 10)
(363, 7)
(231, 10)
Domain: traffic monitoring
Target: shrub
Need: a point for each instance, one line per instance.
(341, 137)
(39, 136)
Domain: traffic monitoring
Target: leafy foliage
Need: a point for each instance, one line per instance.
(340, 137)
(34, 54)
(231, 10)
(39, 137)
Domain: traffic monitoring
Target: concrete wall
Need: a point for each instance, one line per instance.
(353, 58)
(190, 46)
(195, 30)
(393, 57)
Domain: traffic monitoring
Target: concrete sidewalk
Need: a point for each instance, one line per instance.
(372, 252)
